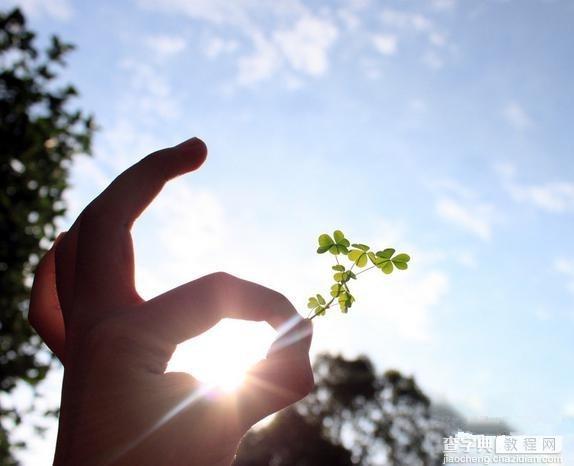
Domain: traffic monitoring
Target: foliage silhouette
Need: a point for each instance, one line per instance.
(354, 414)
(39, 137)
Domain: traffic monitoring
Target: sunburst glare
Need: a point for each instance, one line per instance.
(221, 357)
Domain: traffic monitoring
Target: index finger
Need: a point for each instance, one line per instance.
(122, 202)
(193, 308)
(104, 267)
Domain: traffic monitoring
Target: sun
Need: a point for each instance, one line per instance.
(221, 357)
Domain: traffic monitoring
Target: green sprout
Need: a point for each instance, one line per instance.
(359, 255)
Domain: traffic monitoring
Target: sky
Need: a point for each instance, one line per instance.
(437, 127)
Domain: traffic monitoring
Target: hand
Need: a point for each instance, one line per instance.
(119, 406)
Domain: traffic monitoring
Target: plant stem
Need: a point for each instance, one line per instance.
(364, 270)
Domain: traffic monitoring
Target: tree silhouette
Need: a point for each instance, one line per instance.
(291, 440)
(39, 136)
(354, 416)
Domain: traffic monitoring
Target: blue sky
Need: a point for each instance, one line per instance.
(440, 127)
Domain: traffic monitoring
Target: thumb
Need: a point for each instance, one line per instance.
(282, 378)
(45, 313)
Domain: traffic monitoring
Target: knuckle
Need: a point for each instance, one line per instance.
(304, 382)
(108, 337)
(221, 277)
(91, 216)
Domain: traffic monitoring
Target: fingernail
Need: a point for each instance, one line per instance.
(191, 142)
(296, 341)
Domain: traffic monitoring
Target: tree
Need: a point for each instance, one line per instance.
(39, 137)
(354, 414)
(291, 440)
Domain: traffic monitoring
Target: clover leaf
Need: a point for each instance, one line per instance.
(337, 244)
(359, 256)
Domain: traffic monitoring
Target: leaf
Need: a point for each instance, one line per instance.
(336, 290)
(339, 236)
(313, 303)
(374, 259)
(339, 276)
(345, 301)
(386, 267)
(362, 247)
(325, 241)
(321, 300)
(354, 254)
(358, 256)
(322, 249)
(401, 258)
(386, 253)
(339, 268)
(401, 265)
(338, 249)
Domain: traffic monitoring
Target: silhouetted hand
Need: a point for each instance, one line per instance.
(119, 406)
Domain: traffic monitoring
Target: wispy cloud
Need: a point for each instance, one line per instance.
(566, 268)
(307, 43)
(57, 9)
(297, 42)
(165, 46)
(419, 24)
(476, 218)
(410, 299)
(444, 4)
(555, 196)
(150, 91)
(302, 48)
(385, 43)
(402, 19)
(217, 46)
(516, 116)
(433, 60)
(568, 410)
(461, 206)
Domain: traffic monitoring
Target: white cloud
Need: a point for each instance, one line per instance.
(385, 43)
(566, 268)
(467, 259)
(437, 39)
(474, 217)
(261, 64)
(555, 197)
(444, 4)
(214, 11)
(516, 116)
(303, 48)
(433, 60)
(419, 24)
(166, 46)
(409, 300)
(151, 93)
(568, 410)
(404, 302)
(218, 46)
(349, 19)
(307, 43)
(401, 19)
(461, 205)
(505, 169)
(57, 9)
(371, 68)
